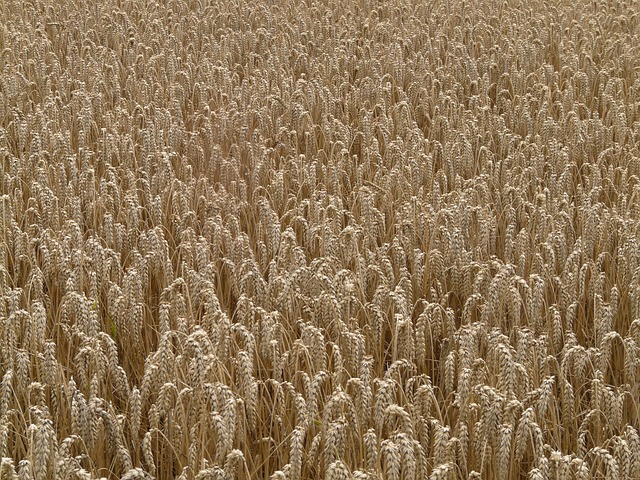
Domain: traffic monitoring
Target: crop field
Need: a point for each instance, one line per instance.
(319, 239)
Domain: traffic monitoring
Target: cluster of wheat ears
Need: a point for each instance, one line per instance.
(328, 239)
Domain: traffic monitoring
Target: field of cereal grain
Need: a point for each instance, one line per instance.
(320, 239)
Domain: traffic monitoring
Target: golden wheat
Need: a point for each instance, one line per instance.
(319, 239)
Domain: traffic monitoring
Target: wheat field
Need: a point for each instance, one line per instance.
(319, 239)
